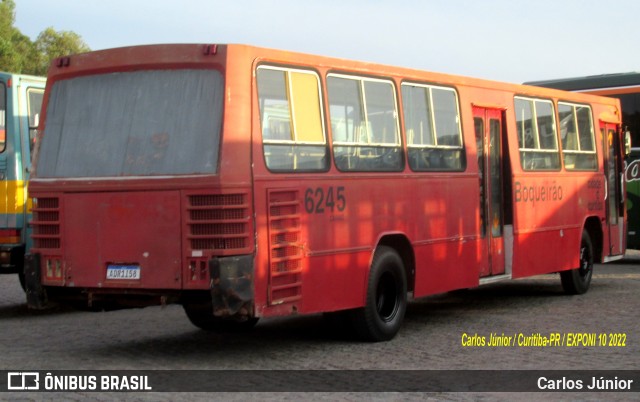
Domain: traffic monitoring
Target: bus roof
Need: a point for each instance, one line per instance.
(183, 55)
(591, 82)
(6, 74)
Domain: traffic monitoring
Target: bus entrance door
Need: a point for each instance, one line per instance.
(488, 130)
(613, 173)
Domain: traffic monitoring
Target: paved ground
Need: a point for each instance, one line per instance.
(431, 338)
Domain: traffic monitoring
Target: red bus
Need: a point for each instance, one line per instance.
(244, 182)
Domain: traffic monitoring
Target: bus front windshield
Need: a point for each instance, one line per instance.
(142, 123)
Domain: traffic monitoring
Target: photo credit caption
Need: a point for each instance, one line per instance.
(551, 339)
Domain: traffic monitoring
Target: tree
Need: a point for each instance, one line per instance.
(18, 54)
(10, 59)
(24, 54)
(51, 44)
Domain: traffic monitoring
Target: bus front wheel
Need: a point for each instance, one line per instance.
(576, 281)
(386, 300)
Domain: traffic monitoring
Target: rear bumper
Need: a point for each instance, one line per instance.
(231, 290)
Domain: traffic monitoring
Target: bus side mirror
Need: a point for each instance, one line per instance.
(627, 143)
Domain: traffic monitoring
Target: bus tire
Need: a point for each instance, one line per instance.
(201, 315)
(576, 281)
(386, 299)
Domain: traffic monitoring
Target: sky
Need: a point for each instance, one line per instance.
(504, 40)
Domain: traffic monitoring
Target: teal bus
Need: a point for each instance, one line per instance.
(20, 102)
(626, 87)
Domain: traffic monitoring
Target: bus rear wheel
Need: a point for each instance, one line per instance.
(576, 281)
(201, 315)
(386, 300)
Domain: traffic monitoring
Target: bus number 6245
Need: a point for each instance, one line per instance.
(320, 200)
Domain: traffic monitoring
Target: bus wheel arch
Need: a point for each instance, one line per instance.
(594, 229)
(386, 297)
(401, 244)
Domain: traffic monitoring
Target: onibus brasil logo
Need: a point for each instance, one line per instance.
(31, 381)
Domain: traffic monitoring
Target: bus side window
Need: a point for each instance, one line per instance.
(537, 137)
(34, 104)
(364, 124)
(3, 116)
(291, 117)
(432, 123)
(578, 141)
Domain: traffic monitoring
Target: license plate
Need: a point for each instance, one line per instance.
(124, 272)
